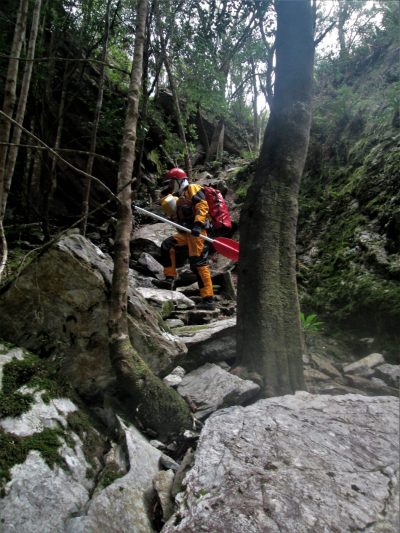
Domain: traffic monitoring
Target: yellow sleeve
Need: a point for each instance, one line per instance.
(200, 205)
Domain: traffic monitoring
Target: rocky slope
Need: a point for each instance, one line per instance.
(102, 475)
(349, 224)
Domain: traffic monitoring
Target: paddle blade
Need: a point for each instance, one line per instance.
(227, 247)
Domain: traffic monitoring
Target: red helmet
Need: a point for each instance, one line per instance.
(175, 174)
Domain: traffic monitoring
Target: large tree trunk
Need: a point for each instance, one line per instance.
(268, 333)
(216, 146)
(157, 406)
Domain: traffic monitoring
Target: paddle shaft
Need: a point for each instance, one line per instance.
(178, 226)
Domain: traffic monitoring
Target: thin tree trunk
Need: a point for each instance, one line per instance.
(52, 178)
(256, 129)
(342, 18)
(269, 338)
(187, 158)
(34, 189)
(175, 96)
(145, 97)
(216, 145)
(10, 94)
(155, 405)
(22, 101)
(99, 103)
(202, 131)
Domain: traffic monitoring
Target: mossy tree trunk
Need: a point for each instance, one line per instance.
(155, 405)
(268, 333)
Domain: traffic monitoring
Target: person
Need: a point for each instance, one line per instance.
(186, 203)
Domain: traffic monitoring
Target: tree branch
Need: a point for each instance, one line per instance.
(67, 59)
(70, 165)
(324, 33)
(68, 150)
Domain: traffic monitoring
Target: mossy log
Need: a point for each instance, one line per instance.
(156, 406)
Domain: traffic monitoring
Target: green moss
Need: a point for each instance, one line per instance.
(14, 404)
(241, 193)
(109, 474)
(168, 308)
(153, 404)
(5, 347)
(35, 373)
(14, 450)
(42, 375)
(84, 426)
(17, 373)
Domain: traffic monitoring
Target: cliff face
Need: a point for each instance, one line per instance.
(349, 222)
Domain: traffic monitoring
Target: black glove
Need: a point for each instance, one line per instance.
(196, 230)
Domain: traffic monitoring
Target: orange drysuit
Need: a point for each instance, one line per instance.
(192, 210)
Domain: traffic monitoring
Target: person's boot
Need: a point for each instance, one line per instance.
(167, 283)
(207, 303)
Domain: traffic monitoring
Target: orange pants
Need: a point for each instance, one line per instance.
(176, 249)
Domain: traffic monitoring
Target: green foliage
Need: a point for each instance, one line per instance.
(349, 201)
(310, 324)
(154, 157)
(241, 193)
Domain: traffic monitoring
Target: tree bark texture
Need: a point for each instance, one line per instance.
(51, 180)
(269, 336)
(155, 405)
(175, 97)
(256, 130)
(99, 104)
(10, 94)
(22, 101)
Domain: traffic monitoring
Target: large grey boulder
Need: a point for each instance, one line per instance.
(364, 366)
(59, 304)
(210, 343)
(295, 464)
(148, 238)
(389, 373)
(38, 499)
(29, 499)
(210, 387)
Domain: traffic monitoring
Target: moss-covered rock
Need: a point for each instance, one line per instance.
(349, 224)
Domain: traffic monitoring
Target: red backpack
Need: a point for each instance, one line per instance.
(218, 210)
